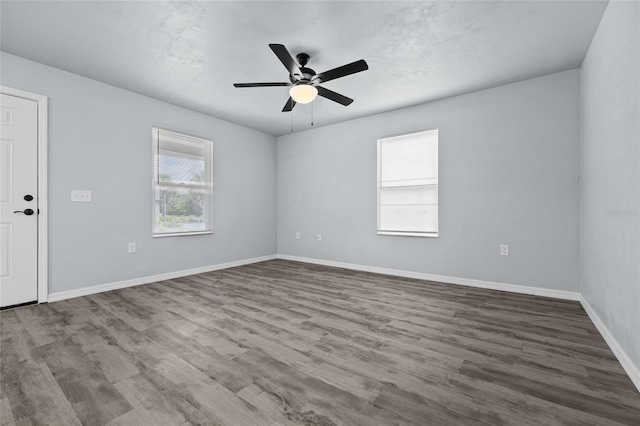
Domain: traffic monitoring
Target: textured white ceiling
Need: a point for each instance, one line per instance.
(191, 53)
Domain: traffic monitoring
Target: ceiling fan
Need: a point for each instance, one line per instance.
(305, 81)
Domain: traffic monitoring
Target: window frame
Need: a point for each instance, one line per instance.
(378, 181)
(208, 185)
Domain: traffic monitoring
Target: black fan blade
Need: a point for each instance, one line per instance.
(289, 105)
(285, 57)
(336, 97)
(260, 84)
(342, 71)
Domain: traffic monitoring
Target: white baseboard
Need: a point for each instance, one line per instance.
(62, 295)
(630, 368)
(490, 285)
(626, 362)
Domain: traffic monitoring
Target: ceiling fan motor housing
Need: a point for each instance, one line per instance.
(306, 73)
(305, 78)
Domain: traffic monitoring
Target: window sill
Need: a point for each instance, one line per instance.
(410, 234)
(180, 234)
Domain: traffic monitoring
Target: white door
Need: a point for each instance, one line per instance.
(19, 201)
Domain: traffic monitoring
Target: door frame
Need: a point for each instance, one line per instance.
(43, 230)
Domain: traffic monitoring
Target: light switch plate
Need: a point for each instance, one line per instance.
(81, 196)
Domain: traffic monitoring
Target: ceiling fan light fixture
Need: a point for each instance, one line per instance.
(303, 93)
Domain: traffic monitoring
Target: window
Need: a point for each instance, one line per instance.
(408, 185)
(182, 184)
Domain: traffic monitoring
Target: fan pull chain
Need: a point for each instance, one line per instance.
(291, 120)
(311, 114)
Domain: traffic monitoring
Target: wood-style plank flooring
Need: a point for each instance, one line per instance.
(281, 343)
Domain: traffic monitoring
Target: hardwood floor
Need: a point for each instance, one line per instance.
(280, 343)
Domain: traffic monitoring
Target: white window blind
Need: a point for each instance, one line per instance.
(182, 184)
(408, 184)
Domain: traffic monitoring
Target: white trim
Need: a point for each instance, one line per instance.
(621, 355)
(180, 234)
(512, 288)
(380, 185)
(627, 364)
(410, 234)
(182, 138)
(43, 211)
(62, 295)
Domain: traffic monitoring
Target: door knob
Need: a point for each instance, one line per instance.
(28, 212)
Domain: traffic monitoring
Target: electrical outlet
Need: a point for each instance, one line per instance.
(81, 196)
(132, 247)
(297, 235)
(504, 249)
(319, 237)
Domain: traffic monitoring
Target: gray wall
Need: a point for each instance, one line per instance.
(610, 175)
(508, 174)
(100, 139)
